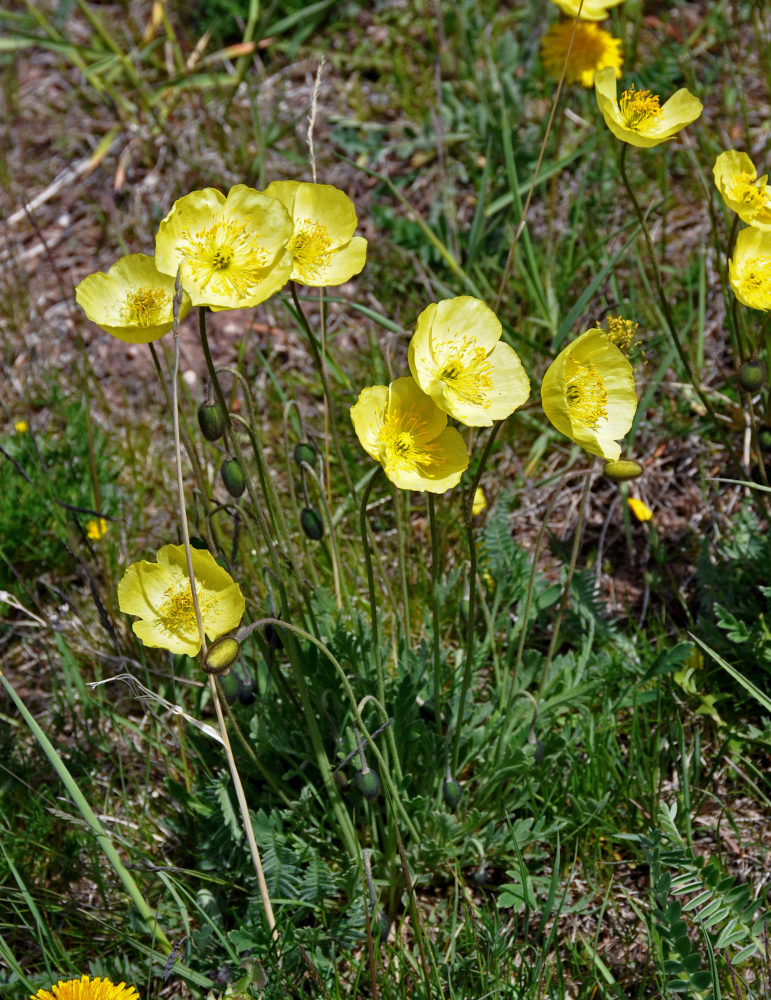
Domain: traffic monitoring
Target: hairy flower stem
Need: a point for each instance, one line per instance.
(235, 777)
(579, 531)
(373, 615)
(472, 596)
(667, 313)
(435, 616)
(267, 534)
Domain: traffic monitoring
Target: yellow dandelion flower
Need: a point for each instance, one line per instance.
(159, 593)
(588, 394)
(323, 248)
(231, 251)
(480, 501)
(592, 49)
(749, 270)
(87, 989)
(637, 117)
(742, 190)
(640, 510)
(591, 10)
(456, 358)
(133, 301)
(96, 529)
(21, 427)
(402, 428)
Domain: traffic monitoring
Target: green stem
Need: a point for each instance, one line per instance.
(579, 530)
(373, 613)
(435, 616)
(472, 596)
(667, 313)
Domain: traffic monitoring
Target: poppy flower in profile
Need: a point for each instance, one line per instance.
(749, 270)
(588, 394)
(742, 190)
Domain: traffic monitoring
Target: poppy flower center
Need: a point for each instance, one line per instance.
(639, 108)
(146, 306)
(465, 369)
(403, 440)
(755, 280)
(586, 395)
(311, 247)
(227, 257)
(176, 615)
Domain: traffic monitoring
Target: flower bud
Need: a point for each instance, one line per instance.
(233, 477)
(452, 792)
(367, 784)
(211, 420)
(221, 655)
(752, 375)
(312, 524)
(381, 925)
(247, 693)
(764, 439)
(622, 470)
(305, 453)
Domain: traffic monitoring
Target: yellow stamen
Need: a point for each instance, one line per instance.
(146, 306)
(311, 248)
(755, 280)
(620, 332)
(176, 616)
(639, 108)
(403, 438)
(226, 257)
(586, 395)
(465, 368)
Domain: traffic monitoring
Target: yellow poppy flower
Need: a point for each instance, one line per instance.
(96, 529)
(640, 509)
(323, 247)
(231, 251)
(456, 358)
(21, 427)
(403, 429)
(133, 301)
(637, 117)
(588, 394)
(749, 270)
(87, 989)
(479, 502)
(593, 48)
(592, 10)
(742, 190)
(159, 593)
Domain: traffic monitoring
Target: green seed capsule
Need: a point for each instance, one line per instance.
(312, 524)
(221, 655)
(452, 792)
(233, 477)
(764, 439)
(367, 784)
(211, 420)
(622, 470)
(305, 453)
(752, 375)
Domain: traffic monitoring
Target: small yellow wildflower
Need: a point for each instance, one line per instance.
(323, 247)
(591, 10)
(21, 427)
(480, 501)
(742, 190)
(159, 593)
(133, 301)
(640, 510)
(87, 989)
(456, 357)
(588, 394)
(231, 251)
(638, 117)
(96, 529)
(593, 48)
(403, 429)
(749, 270)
